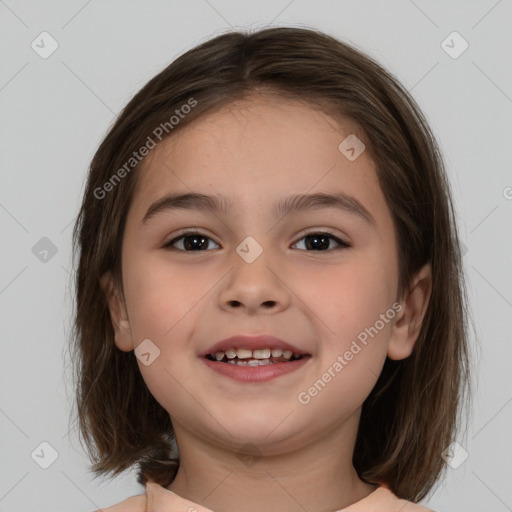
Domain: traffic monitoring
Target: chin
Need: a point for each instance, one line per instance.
(263, 430)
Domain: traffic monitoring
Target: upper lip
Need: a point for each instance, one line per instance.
(252, 343)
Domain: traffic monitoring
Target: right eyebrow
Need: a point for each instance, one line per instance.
(189, 201)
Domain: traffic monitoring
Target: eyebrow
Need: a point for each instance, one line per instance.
(220, 204)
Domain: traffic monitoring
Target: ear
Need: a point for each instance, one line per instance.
(408, 321)
(118, 315)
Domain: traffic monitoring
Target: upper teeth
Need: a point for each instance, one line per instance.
(244, 353)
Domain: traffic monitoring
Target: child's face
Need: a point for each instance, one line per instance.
(257, 154)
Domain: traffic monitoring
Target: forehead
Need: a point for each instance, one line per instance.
(259, 150)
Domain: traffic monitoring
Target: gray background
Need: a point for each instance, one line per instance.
(54, 113)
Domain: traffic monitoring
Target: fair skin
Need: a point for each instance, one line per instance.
(256, 152)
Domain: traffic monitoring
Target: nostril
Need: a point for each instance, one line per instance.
(267, 303)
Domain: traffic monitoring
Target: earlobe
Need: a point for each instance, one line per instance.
(118, 316)
(408, 322)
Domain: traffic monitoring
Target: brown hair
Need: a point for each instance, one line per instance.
(412, 413)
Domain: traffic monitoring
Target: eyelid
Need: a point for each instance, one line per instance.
(325, 231)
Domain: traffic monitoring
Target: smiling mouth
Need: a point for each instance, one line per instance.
(260, 357)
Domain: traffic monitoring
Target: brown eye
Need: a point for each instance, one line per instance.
(321, 242)
(192, 242)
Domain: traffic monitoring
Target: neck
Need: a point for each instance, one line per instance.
(316, 477)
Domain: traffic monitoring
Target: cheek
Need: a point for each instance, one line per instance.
(355, 316)
(162, 304)
(349, 306)
(349, 297)
(161, 296)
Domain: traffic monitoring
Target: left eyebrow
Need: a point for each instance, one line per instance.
(341, 201)
(221, 204)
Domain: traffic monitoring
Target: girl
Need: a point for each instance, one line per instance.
(271, 311)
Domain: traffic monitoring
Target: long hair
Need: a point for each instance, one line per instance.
(412, 413)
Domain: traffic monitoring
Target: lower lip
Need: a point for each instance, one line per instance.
(255, 373)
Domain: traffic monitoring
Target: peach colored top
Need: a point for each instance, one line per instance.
(160, 499)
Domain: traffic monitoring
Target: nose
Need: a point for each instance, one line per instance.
(254, 288)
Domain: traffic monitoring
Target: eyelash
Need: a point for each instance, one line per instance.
(342, 243)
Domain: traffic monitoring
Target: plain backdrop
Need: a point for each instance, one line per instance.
(56, 108)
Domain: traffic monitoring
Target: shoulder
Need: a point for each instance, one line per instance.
(133, 504)
(155, 499)
(383, 500)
